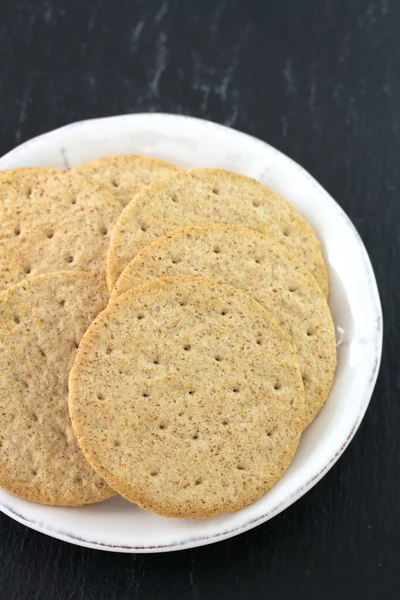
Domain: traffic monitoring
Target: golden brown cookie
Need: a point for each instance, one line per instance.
(272, 275)
(42, 321)
(124, 176)
(187, 398)
(52, 220)
(208, 196)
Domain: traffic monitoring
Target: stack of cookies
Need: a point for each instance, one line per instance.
(164, 335)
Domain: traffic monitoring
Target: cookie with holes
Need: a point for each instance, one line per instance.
(187, 398)
(42, 320)
(124, 176)
(268, 272)
(52, 220)
(211, 196)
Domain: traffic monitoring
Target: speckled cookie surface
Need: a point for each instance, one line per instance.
(28, 173)
(207, 196)
(52, 220)
(186, 396)
(268, 272)
(42, 321)
(124, 176)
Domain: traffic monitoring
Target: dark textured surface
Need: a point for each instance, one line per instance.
(319, 79)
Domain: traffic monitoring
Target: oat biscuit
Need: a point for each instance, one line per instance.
(186, 397)
(52, 220)
(124, 176)
(42, 320)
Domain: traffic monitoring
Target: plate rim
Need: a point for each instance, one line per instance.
(370, 377)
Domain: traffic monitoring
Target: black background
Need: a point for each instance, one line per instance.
(320, 80)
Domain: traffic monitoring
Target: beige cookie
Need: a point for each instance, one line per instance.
(124, 176)
(207, 196)
(28, 173)
(186, 396)
(42, 321)
(52, 220)
(268, 272)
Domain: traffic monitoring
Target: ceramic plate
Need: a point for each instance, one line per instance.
(120, 526)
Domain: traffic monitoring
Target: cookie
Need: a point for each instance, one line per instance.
(207, 196)
(187, 398)
(28, 172)
(42, 321)
(124, 176)
(247, 260)
(52, 220)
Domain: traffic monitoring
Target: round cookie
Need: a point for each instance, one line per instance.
(246, 260)
(187, 398)
(124, 176)
(52, 220)
(42, 321)
(211, 196)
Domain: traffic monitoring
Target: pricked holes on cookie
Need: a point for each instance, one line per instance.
(143, 227)
(176, 260)
(115, 183)
(217, 249)
(17, 230)
(103, 230)
(174, 198)
(277, 385)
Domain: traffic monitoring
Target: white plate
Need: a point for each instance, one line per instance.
(122, 527)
